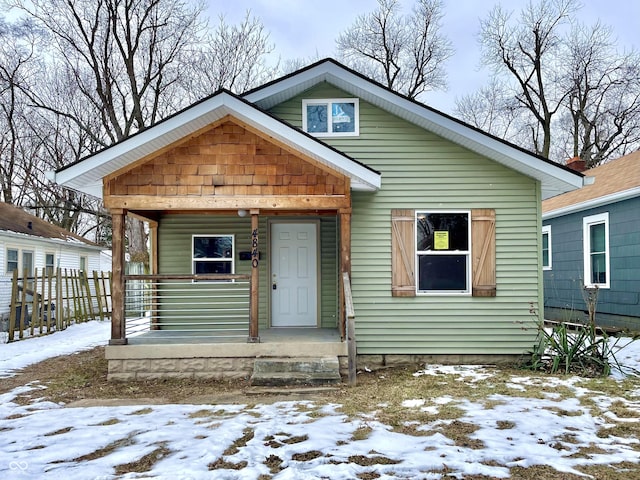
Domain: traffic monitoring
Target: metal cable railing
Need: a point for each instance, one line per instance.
(187, 305)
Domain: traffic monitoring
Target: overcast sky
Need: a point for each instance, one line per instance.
(302, 28)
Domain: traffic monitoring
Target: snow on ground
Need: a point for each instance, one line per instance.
(301, 439)
(80, 336)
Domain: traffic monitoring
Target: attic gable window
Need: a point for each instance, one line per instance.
(336, 117)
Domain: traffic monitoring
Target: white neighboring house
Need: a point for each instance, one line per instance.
(28, 242)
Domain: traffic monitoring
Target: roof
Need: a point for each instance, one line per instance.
(612, 182)
(554, 178)
(86, 175)
(17, 221)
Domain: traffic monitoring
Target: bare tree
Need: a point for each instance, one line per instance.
(563, 87)
(118, 67)
(604, 96)
(17, 60)
(491, 109)
(528, 51)
(123, 56)
(233, 57)
(404, 52)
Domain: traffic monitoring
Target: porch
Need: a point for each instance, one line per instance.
(201, 326)
(262, 226)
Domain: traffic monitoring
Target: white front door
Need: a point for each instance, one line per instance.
(294, 275)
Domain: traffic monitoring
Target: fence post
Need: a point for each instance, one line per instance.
(35, 303)
(49, 298)
(66, 296)
(108, 301)
(59, 299)
(13, 305)
(96, 282)
(87, 286)
(23, 302)
(43, 298)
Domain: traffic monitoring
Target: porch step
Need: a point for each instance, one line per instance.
(277, 372)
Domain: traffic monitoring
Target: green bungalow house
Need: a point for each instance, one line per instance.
(326, 218)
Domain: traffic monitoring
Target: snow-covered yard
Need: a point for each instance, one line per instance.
(307, 440)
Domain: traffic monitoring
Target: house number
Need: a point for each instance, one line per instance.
(254, 248)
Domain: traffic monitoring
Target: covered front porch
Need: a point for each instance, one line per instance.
(250, 231)
(217, 324)
(248, 258)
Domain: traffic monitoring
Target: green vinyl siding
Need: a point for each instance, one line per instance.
(174, 255)
(423, 171)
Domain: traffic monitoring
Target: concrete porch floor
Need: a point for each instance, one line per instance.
(274, 342)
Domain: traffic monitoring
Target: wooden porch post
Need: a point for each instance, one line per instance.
(118, 336)
(345, 260)
(153, 266)
(347, 315)
(153, 243)
(254, 336)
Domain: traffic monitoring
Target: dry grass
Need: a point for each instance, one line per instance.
(83, 375)
(146, 462)
(378, 395)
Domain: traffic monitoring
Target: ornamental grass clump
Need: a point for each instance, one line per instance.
(579, 349)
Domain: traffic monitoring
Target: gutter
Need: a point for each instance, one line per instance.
(595, 202)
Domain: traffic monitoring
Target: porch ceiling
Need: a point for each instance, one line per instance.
(87, 175)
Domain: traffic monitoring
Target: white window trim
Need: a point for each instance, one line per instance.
(21, 252)
(53, 267)
(546, 229)
(467, 253)
(214, 235)
(587, 222)
(329, 102)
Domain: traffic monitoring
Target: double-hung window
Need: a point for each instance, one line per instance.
(21, 260)
(546, 247)
(596, 250)
(50, 263)
(12, 260)
(331, 117)
(443, 241)
(212, 254)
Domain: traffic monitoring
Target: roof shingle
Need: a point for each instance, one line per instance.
(610, 178)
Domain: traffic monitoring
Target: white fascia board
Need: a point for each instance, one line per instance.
(593, 203)
(267, 97)
(72, 242)
(87, 175)
(555, 180)
(503, 153)
(158, 135)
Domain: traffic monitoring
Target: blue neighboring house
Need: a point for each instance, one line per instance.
(591, 237)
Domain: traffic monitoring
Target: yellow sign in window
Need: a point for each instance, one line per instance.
(441, 240)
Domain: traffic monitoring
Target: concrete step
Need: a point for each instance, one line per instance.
(303, 391)
(295, 371)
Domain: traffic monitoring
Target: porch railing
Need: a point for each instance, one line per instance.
(350, 327)
(210, 306)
